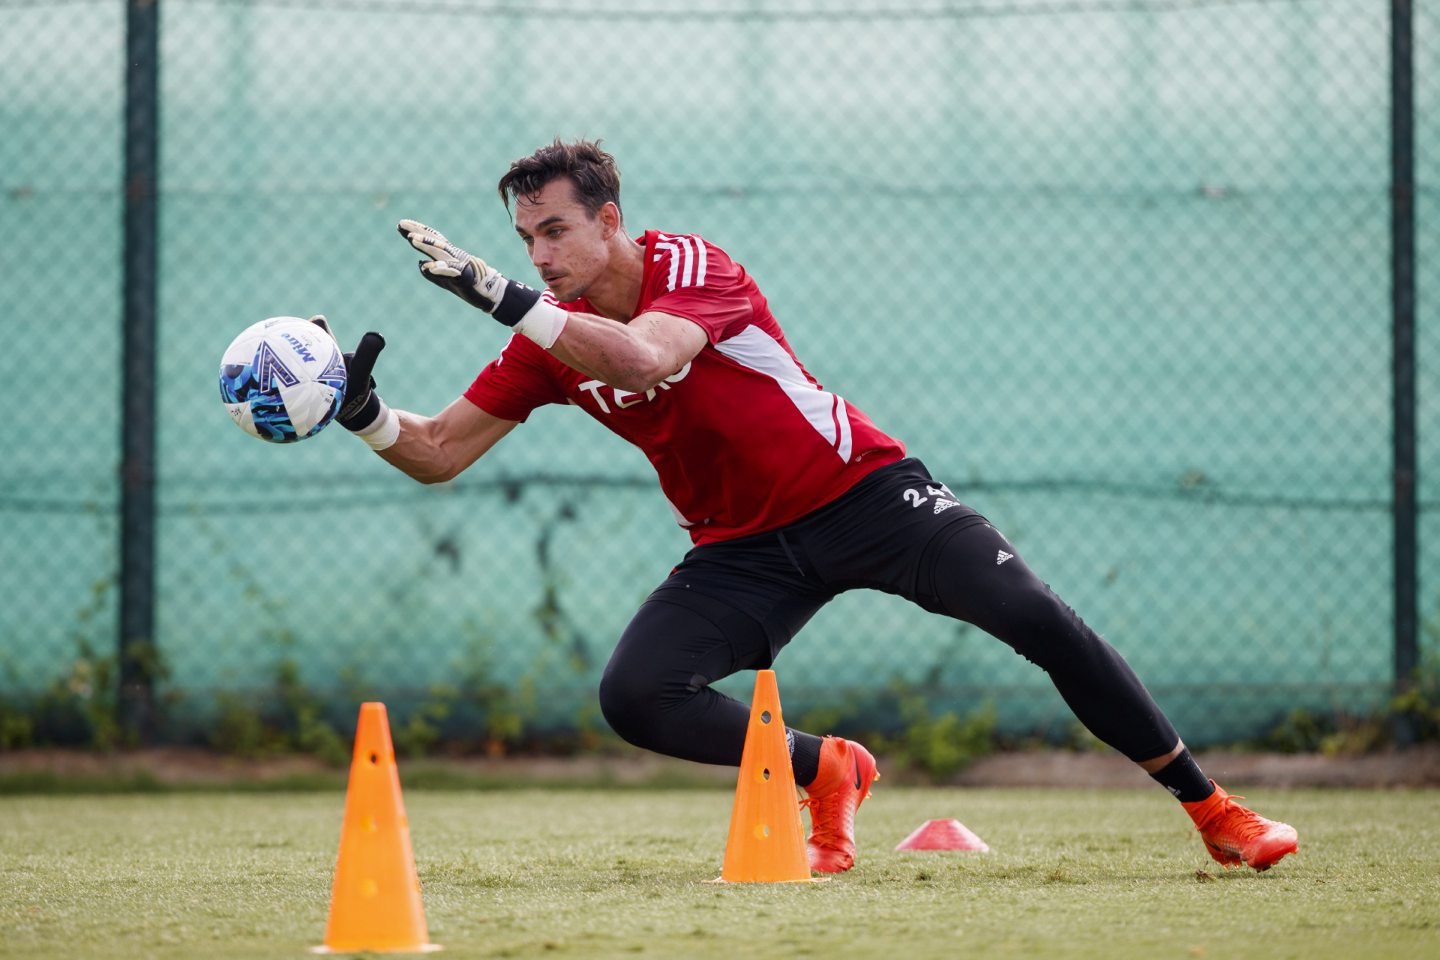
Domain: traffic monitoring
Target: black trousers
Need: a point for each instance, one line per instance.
(733, 605)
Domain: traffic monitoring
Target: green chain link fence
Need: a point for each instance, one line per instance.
(1143, 255)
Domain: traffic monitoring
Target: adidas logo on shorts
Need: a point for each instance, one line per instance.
(941, 505)
(1002, 557)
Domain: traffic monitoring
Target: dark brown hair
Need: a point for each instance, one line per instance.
(590, 169)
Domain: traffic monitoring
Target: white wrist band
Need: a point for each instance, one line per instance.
(383, 433)
(543, 323)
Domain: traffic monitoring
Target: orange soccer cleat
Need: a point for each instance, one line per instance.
(841, 785)
(1235, 834)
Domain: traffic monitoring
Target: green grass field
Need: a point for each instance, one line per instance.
(601, 873)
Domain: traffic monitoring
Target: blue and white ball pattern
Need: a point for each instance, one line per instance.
(282, 379)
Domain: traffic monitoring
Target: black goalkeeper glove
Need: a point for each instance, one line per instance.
(361, 404)
(467, 276)
(513, 303)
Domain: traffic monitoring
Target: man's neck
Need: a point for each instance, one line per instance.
(616, 292)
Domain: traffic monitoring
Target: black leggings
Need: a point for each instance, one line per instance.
(732, 606)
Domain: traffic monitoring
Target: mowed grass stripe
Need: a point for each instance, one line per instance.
(1110, 874)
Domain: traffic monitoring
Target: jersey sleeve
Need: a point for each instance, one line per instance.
(516, 382)
(698, 281)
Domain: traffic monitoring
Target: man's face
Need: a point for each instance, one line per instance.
(566, 244)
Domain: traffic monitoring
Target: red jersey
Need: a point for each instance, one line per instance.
(743, 438)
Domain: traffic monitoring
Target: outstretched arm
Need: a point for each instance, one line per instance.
(436, 449)
(430, 449)
(633, 356)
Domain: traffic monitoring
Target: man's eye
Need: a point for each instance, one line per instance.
(554, 233)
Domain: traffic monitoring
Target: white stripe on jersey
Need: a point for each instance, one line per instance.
(687, 278)
(501, 359)
(674, 262)
(842, 417)
(687, 260)
(679, 517)
(826, 412)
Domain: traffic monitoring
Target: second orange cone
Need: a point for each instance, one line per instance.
(767, 839)
(375, 901)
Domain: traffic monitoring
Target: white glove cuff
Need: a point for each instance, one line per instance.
(382, 434)
(543, 323)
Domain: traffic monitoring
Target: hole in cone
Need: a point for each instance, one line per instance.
(762, 831)
(764, 716)
(765, 774)
(374, 758)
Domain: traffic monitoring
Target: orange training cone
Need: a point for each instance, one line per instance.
(375, 901)
(767, 840)
(943, 835)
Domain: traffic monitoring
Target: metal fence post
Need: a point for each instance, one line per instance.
(1402, 263)
(137, 469)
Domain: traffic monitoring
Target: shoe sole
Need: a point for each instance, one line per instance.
(1265, 863)
(1228, 859)
(1223, 857)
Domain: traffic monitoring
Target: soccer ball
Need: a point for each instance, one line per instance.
(282, 379)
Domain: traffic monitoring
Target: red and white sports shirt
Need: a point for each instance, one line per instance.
(743, 438)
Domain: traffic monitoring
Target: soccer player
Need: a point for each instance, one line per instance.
(790, 493)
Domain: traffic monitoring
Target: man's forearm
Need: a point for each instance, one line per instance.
(417, 452)
(615, 353)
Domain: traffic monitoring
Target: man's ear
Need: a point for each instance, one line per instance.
(610, 221)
